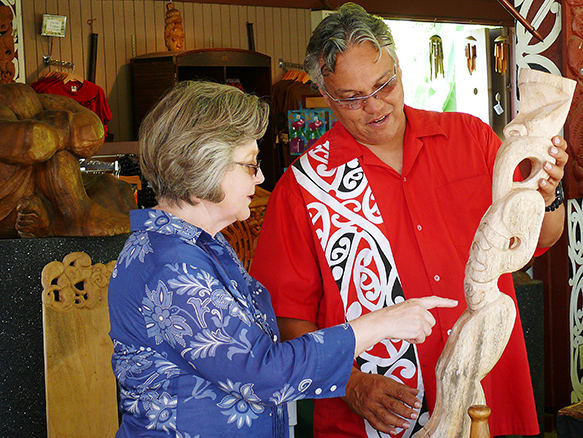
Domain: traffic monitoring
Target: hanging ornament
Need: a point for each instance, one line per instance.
(435, 57)
(471, 54)
(501, 54)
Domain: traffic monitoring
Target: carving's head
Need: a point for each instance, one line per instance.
(545, 100)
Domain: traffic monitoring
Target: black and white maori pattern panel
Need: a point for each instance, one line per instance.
(348, 223)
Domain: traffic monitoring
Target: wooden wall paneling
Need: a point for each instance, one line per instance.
(138, 29)
(277, 44)
(242, 24)
(216, 29)
(286, 36)
(269, 40)
(188, 24)
(40, 42)
(53, 44)
(198, 27)
(80, 31)
(303, 33)
(109, 45)
(71, 33)
(159, 25)
(293, 40)
(32, 66)
(237, 26)
(65, 43)
(259, 29)
(251, 18)
(225, 26)
(159, 19)
(124, 54)
(148, 34)
(99, 28)
(207, 36)
(85, 14)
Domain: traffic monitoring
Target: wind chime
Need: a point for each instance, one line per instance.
(471, 54)
(435, 57)
(501, 54)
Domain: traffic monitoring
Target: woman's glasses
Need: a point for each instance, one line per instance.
(255, 167)
(356, 103)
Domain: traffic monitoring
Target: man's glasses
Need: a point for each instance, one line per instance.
(356, 103)
(255, 167)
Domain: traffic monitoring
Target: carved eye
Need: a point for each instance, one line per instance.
(514, 242)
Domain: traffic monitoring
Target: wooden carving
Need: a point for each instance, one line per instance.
(42, 190)
(243, 235)
(573, 42)
(80, 385)
(7, 49)
(174, 31)
(504, 242)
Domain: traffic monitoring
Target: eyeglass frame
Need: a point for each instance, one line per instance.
(256, 167)
(362, 99)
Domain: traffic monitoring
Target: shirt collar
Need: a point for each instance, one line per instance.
(158, 221)
(422, 123)
(344, 147)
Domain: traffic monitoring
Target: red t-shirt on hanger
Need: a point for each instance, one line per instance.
(87, 93)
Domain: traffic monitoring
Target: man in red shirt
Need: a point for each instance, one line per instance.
(384, 208)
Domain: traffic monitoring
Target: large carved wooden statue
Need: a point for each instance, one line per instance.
(504, 242)
(42, 191)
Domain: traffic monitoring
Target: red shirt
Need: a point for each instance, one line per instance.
(86, 93)
(431, 213)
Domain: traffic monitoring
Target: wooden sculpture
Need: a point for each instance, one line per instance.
(174, 31)
(504, 242)
(42, 191)
(7, 49)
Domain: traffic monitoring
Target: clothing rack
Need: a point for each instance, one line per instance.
(287, 65)
(48, 60)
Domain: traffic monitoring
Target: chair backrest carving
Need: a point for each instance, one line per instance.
(81, 390)
(242, 235)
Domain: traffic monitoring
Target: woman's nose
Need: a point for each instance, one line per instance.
(259, 178)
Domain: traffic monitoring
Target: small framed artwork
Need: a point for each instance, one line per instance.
(54, 25)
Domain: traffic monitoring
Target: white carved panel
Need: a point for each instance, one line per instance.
(529, 51)
(575, 251)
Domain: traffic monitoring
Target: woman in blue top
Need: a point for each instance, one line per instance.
(196, 344)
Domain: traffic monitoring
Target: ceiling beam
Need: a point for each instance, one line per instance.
(465, 11)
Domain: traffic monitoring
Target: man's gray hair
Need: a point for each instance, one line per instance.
(350, 25)
(187, 140)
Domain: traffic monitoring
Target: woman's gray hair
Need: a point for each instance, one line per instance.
(187, 140)
(350, 25)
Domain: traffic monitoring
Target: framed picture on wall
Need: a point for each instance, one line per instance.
(11, 44)
(54, 25)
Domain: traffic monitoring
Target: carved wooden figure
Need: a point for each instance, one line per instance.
(504, 242)
(42, 191)
(173, 31)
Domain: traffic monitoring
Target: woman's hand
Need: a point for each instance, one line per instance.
(409, 320)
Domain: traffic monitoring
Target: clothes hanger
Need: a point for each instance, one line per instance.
(72, 77)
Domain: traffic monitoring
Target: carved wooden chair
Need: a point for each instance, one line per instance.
(81, 391)
(242, 235)
(479, 415)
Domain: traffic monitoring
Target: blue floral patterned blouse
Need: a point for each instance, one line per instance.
(196, 348)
